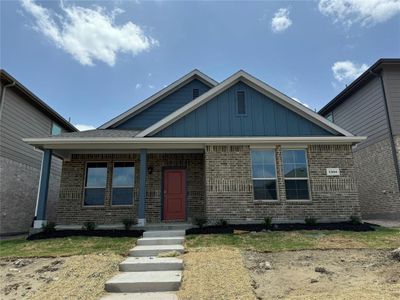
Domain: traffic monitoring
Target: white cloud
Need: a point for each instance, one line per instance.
(83, 127)
(365, 12)
(302, 103)
(151, 86)
(347, 70)
(280, 22)
(89, 34)
(138, 86)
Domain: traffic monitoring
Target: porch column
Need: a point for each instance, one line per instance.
(142, 188)
(41, 202)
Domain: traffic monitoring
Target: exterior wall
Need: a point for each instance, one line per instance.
(18, 192)
(20, 164)
(376, 177)
(264, 117)
(229, 187)
(164, 107)
(72, 212)
(391, 78)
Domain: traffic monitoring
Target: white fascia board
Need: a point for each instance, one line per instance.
(182, 143)
(258, 85)
(160, 95)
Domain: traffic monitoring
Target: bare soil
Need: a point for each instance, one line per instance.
(328, 274)
(75, 277)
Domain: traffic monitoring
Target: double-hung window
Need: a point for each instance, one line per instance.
(264, 174)
(95, 183)
(123, 183)
(296, 174)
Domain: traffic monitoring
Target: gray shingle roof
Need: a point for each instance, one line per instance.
(99, 133)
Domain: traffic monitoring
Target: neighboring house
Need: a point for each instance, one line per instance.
(237, 150)
(24, 115)
(370, 106)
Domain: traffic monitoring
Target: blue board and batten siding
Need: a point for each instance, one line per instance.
(264, 117)
(164, 107)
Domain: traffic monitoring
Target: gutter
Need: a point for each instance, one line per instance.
(3, 93)
(392, 143)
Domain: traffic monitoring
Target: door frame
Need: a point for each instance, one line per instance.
(162, 191)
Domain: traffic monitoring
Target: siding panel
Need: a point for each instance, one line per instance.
(391, 77)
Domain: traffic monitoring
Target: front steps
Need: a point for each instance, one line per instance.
(144, 273)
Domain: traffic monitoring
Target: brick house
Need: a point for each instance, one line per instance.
(22, 115)
(370, 106)
(237, 150)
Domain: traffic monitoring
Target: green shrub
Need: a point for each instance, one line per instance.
(267, 222)
(222, 222)
(128, 223)
(311, 221)
(200, 222)
(355, 220)
(49, 227)
(89, 225)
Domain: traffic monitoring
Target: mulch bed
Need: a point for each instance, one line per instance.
(101, 233)
(345, 226)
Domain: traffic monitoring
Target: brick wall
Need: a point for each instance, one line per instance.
(376, 178)
(18, 192)
(72, 211)
(229, 187)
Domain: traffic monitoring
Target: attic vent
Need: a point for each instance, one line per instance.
(241, 103)
(195, 93)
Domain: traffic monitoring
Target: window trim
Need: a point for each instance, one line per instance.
(84, 185)
(297, 178)
(271, 178)
(237, 103)
(133, 185)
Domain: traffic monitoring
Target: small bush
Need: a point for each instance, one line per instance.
(49, 227)
(128, 223)
(222, 222)
(311, 221)
(355, 220)
(89, 226)
(267, 222)
(200, 222)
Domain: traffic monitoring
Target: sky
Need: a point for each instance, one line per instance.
(92, 60)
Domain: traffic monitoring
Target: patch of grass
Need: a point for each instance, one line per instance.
(382, 238)
(66, 246)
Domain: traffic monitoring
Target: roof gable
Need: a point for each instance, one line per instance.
(264, 117)
(257, 85)
(173, 87)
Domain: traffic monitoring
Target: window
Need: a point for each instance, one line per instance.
(264, 174)
(55, 129)
(195, 93)
(329, 117)
(95, 183)
(123, 183)
(241, 103)
(296, 174)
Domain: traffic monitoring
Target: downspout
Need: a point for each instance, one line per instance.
(395, 159)
(3, 93)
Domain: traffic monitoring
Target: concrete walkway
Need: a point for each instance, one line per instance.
(143, 274)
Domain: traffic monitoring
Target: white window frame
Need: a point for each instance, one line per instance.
(270, 178)
(132, 187)
(297, 178)
(94, 187)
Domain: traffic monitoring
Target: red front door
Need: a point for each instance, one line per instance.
(174, 194)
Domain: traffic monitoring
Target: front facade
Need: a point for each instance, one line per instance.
(23, 115)
(370, 106)
(238, 150)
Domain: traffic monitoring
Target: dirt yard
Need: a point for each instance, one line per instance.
(327, 274)
(74, 277)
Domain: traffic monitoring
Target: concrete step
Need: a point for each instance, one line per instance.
(164, 233)
(140, 282)
(154, 250)
(137, 264)
(141, 296)
(175, 240)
